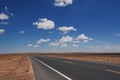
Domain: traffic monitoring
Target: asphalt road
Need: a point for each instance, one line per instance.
(47, 68)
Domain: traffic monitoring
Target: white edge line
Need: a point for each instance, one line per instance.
(53, 69)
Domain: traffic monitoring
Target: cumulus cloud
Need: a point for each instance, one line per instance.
(3, 23)
(54, 43)
(21, 32)
(43, 41)
(74, 45)
(36, 46)
(65, 29)
(66, 39)
(62, 3)
(44, 24)
(62, 42)
(2, 31)
(84, 38)
(29, 45)
(76, 41)
(3, 16)
(64, 45)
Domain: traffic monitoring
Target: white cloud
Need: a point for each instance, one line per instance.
(66, 29)
(64, 45)
(86, 41)
(21, 32)
(66, 39)
(3, 16)
(29, 45)
(43, 41)
(54, 43)
(36, 46)
(44, 24)
(62, 42)
(2, 31)
(62, 3)
(74, 45)
(3, 23)
(84, 38)
(74, 41)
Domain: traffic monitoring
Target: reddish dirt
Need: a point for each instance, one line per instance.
(15, 67)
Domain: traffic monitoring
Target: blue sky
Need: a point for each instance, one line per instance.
(59, 26)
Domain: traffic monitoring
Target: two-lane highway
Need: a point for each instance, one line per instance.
(65, 69)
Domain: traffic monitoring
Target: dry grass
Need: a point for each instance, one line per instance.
(15, 67)
(103, 58)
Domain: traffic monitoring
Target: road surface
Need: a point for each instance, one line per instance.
(47, 68)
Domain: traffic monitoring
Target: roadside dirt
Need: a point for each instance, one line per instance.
(16, 67)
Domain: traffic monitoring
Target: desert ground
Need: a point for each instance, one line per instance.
(112, 58)
(19, 66)
(15, 67)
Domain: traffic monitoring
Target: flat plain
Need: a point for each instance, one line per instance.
(19, 66)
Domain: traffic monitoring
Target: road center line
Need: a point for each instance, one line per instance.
(53, 69)
(113, 71)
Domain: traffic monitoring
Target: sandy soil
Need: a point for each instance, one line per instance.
(15, 67)
(103, 58)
